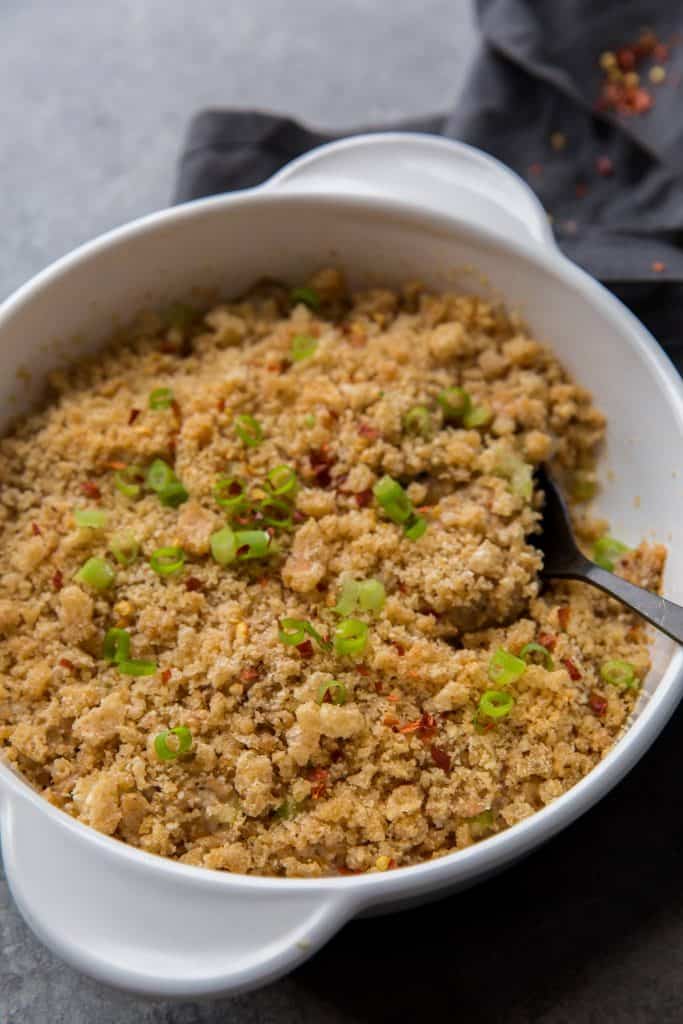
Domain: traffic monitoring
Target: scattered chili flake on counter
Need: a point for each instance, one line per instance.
(658, 266)
(621, 91)
(604, 166)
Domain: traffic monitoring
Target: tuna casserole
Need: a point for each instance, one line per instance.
(268, 602)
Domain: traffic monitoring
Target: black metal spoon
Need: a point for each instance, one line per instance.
(562, 560)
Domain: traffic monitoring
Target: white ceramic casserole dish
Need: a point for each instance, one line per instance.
(384, 207)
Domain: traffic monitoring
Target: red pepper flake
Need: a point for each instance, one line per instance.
(367, 430)
(166, 675)
(363, 498)
(390, 720)
(604, 166)
(57, 580)
(115, 464)
(169, 348)
(548, 640)
(661, 52)
(535, 169)
(379, 688)
(347, 871)
(564, 614)
(658, 266)
(249, 675)
(220, 405)
(626, 58)
(133, 415)
(177, 412)
(91, 490)
(319, 778)
(642, 101)
(597, 703)
(336, 755)
(571, 669)
(440, 758)
(306, 651)
(193, 584)
(36, 530)
(65, 663)
(411, 726)
(393, 697)
(363, 670)
(399, 648)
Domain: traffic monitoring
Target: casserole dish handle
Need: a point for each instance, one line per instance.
(151, 925)
(428, 171)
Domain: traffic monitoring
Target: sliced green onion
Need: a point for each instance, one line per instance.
(282, 481)
(288, 810)
(348, 599)
(505, 668)
(418, 421)
(173, 495)
(162, 479)
(223, 546)
(303, 347)
(455, 403)
(92, 517)
(159, 475)
(481, 822)
(393, 499)
(371, 596)
(167, 561)
(336, 690)
(124, 547)
(308, 296)
(138, 667)
(97, 573)
(251, 544)
(161, 398)
(495, 704)
(607, 551)
(531, 649)
(522, 481)
(166, 753)
(350, 637)
(248, 429)
(583, 485)
(309, 420)
(293, 632)
(416, 527)
(127, 481)
(230, 492)
(116, 647)
(276, 512)
(477, 416)
(619, 673)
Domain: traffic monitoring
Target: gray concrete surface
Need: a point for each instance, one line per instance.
(95, 98)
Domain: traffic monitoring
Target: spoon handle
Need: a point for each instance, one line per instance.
(663, 614)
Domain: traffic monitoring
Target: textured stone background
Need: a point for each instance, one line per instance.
(95, 100)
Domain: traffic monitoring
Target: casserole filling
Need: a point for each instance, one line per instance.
(268, 601)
